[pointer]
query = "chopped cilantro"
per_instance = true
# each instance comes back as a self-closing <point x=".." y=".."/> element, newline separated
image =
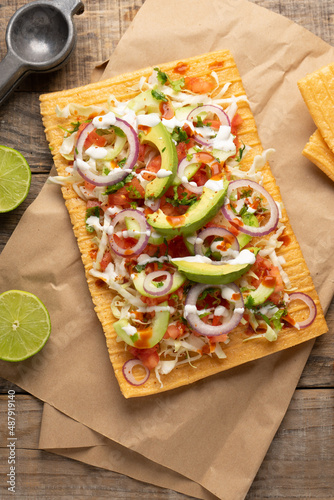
<point x="181" y="199"/>
<point x="245" y="193"/>
<point x="133" y="191"/>
<point x="119" y="185"/>
<point x="75" y="127"/>
<point x="249" y="302"/>
<point x="121" y="163"/>
<point x="140" y="267"/>
<point x="164" y="78"/>
<point x="92" y="211"/>
<point x="179" y="135"/>
<point x="240" y="153"/>
<point x="159" y="96"/>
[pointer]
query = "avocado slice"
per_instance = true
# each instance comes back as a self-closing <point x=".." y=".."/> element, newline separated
<point x="159" y="137"/>
<point x="259" y="296"/>
<point x="149" y="337"/>
<point x="201" y="270"/>
<point x="198" y="214"/>
<point x="138" y="281"/>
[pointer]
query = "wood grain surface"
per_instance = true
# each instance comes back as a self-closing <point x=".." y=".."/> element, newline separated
<point x="300" y="461"/>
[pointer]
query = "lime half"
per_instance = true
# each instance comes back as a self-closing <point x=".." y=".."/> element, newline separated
<point x="24" y="325"/>
<point x="15" y="178"/>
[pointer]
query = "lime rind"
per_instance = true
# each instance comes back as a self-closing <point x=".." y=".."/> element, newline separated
<point x="25" y="325"/>
<point x="15" y="179"/>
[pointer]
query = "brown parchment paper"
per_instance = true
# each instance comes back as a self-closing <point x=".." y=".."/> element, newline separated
<point x="180" y="431"/>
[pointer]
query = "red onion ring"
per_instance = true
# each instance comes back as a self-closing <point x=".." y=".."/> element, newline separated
<point x="128" y="374"/>
<point x="197" y="324"/>
<point x="217" y="232"/>
<point x="143" y="228"/>
<point x="117" y="175"/>
<point x="196" y="158"/>
<point x="311" y="305"/>
<point x="251" y="230"/>
<point x="150" y="288"/>
<point x="208" y="108"/>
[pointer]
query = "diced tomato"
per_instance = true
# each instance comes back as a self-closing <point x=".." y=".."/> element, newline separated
<point x="199" y="85"/>
<point x="125" y="243"/>
<point x="177" y="247"/>
<point x="183" y="147"/>
<point x="153" y="301"/>
<point x="135" y="189"/>
<point x="235" y="123"/>
<point x="89" y="186"/>
<point x="200" y="177"/>
<point x="106" y="259"/>
<point x="142" y="151"/>
<point x="215" y="124"/>
<point x="153" y="166"/>
<point x="119" y="198"/>
<point x="175" y="331"/>
<point x="149" y="357"/>
<point x="93" y="203"/>
<point x="96" y="139"/>
<point x="218" y="338"/>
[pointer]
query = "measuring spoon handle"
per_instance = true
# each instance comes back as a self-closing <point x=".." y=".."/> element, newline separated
<point x="11" y="72"/>
<point x="70" y="7"/>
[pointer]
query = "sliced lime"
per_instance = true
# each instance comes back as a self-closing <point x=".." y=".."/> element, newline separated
<point x="15" y="178"/>
<point x="24" y="325"/>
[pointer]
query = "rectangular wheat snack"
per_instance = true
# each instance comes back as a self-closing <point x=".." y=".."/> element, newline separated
<point x="317" y="89"/>
<point x="317" y="151"/>
<point x="174" y="252"/>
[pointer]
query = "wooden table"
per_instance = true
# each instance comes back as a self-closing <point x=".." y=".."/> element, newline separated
<point x="300" y="461"/>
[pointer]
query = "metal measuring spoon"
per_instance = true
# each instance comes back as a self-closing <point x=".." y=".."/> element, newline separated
<point x="40" y="38"/>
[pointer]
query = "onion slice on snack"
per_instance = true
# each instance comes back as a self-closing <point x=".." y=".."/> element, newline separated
<point x="144" y="233"/>
<point x="128" y="372"/>
<point x="208" y="108"/>
<point x="165" y="280"/>
<point x="229" y="292"/>
<point x="217" y="232"/>
<point x="269" y="226"/>
<point x="311" y="305"/>
<point x="116" y="175"/>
